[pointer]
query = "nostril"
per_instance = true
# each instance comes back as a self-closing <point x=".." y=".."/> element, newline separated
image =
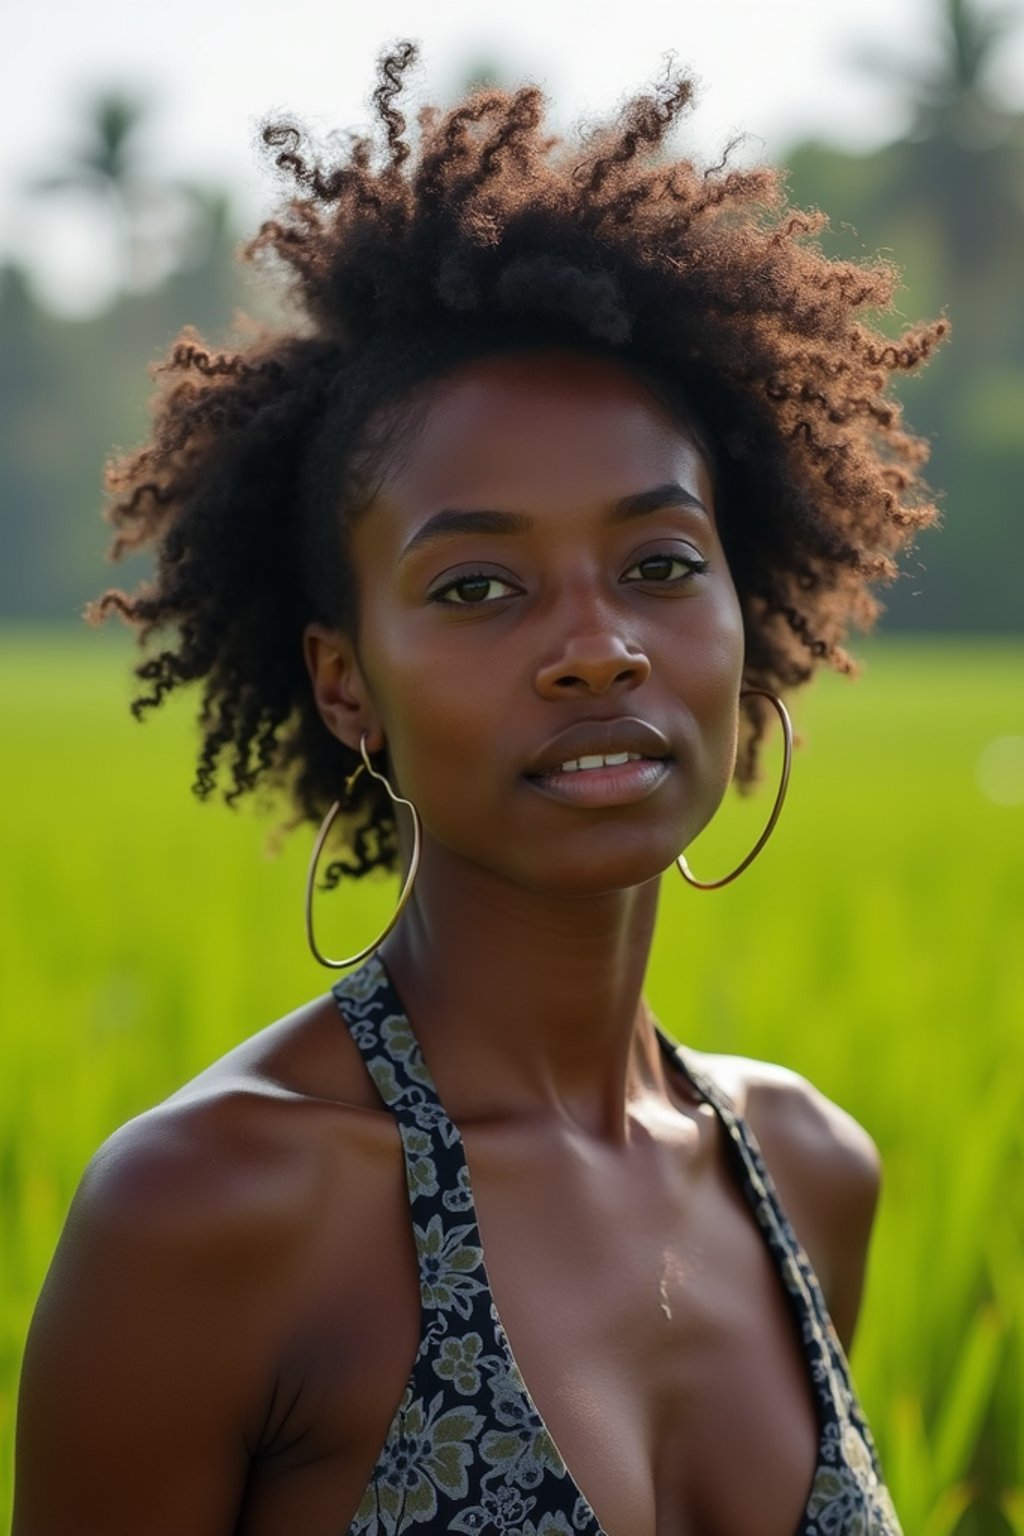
<point x="594" y="666"/>
<point x="572" y="680"/>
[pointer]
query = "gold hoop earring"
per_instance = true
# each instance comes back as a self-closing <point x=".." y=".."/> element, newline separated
<point x="321" y="838"/>
<point x="787" y="759"/>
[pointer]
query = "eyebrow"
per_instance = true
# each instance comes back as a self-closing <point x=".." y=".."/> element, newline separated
<point x="453" y="521"/>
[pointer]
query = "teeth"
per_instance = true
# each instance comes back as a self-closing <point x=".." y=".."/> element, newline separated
<point x="613" y="760"/>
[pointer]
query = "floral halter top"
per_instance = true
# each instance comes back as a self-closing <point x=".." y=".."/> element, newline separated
<point x="467" y="1450"/>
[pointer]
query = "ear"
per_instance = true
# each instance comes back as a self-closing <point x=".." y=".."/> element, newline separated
<point x="340" y="689"/>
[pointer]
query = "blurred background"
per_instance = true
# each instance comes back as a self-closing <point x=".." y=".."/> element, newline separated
<point x="875" y="947"/>
<point x="132" y="175"/>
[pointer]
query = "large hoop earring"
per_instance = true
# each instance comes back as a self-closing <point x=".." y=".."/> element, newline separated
<point x="321" y="838"/>
<point x="787" y="760"/>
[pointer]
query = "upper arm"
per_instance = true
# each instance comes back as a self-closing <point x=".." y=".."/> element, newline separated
<point x="144" y="1373"/>
<point x="828" y="1174"/>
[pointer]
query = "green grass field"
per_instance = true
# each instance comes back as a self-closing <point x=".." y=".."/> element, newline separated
<point x="875" y="946"/>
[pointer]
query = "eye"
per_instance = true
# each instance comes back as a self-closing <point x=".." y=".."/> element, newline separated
<point x="666" y="568"/>
<point x="473" y="590"/>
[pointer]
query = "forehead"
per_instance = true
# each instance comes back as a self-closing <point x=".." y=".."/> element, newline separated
<point x="520" y="429"/>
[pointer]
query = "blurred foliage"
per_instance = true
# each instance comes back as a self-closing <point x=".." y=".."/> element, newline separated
<point x="141" y="935"/>
<point x="107" y="166"/>
<point x="947" y="203"/>
<point x="71" y="391"/>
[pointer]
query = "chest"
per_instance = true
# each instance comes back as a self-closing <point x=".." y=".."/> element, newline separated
<point x="648" y="1323"/>
<point x="652" y="1329"/>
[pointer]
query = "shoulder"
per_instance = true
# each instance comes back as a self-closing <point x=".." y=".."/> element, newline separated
<point x="824" y="1164"/>
<point x="216" y="1246"/>
<point x="796" y="1124"/>
<point x="240" y="1153"/>
<point x="204" y="1170"/>
<point x="187" y="1257"/>
<point x="213" y="1201"/>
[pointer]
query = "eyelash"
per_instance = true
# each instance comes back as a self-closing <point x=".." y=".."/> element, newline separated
<point x="440" y="595"/>
<point x="694" y="567"/>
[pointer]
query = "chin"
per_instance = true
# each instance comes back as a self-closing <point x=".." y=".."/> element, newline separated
<point x="602" y="874"/>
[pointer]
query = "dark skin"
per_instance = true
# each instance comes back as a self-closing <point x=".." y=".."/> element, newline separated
<point x="232" y="1314"/>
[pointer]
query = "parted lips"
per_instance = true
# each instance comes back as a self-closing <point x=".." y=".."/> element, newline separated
<point x="623" y="738"/>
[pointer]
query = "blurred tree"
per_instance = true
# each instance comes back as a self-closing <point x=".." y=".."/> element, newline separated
<point x="948" y="201"/>
<point x="953" y="95"/>
<point x="152" y="220"/>
<point x="71" y="389"/>
<point x="104" y="167"/>
<point x="960" y="170"/>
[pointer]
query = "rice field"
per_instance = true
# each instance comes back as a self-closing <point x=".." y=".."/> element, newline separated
<point x="876" y="946"/>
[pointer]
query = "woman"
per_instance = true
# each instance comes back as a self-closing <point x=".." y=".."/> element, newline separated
<point x="498" y="560"/>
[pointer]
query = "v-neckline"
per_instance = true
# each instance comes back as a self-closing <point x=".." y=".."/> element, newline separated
<point x="674" y="1051"/>
<point x="745" y="1158"/>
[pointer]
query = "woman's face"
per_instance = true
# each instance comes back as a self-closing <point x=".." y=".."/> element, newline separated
<point x="549" y="643"/>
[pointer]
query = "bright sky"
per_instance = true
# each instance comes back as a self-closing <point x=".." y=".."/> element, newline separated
<point x="777" y="69"/>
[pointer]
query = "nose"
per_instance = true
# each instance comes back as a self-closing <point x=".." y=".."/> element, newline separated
<point x="595" y="662"/>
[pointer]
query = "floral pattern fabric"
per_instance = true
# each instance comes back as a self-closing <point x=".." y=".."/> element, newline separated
<point x="467" y="1450"/>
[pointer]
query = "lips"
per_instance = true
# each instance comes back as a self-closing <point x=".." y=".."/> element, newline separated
<point x="598" y="739"/>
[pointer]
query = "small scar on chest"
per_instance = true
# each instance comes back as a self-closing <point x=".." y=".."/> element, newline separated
<point x="663" y="1293"/>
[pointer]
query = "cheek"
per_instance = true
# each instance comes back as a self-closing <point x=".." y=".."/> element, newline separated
<point x="711" y="685"/>
<point x="436" y="711"/>
<point x="712" y="643"/>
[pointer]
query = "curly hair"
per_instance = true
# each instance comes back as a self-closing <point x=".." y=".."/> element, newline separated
<point x="478" y="234"/>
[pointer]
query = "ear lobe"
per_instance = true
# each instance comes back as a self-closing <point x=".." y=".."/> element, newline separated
<point x="339" y="687"/>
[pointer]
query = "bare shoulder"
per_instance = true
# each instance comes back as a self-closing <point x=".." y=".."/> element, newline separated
<point x="795" y="1120"/>
<point x="225" y="1185"/>
<point x="205" y="1206"/>
<point x="239" y="1151"/>
<point x="191" y="1249"/>
<point x="207" y="1168"/>
<point x="824" y="1164"/>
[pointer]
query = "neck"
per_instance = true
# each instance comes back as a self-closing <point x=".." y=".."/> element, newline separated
<point x="527" y="1004"/>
